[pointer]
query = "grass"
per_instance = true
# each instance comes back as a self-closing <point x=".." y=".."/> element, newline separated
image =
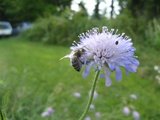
<point x="32" y="78"/>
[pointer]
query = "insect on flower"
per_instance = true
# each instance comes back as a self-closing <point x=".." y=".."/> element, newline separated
<point x="75" y="58"/>
<point x="76" y="61"/>
<point x="104" y="50"/>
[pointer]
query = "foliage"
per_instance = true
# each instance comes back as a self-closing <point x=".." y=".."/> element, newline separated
<point x="148" y="8"/>
<point x="153" y="33"/>
<point x="61" y="30"/>
<point x="32" y="78"/>
<point x="65" y="29"/>
<point x="29" y="10"/>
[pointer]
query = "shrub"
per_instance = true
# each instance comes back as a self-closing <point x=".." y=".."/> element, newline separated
<point x="64" y="29"/>
<point x="153" y="33"/>
<point x="50" y="30"/>
<point x="60" y="30"/>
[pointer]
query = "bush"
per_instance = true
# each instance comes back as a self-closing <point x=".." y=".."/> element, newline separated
<point x="153" y="33"/>
<point x="50" y="30"/>
<point x="64" y="30"/>
<point x="60" y="30"/>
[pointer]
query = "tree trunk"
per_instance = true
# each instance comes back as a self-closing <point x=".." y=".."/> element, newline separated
<point x="112" y="8"/>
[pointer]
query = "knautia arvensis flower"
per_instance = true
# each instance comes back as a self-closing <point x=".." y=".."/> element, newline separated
<point x="104" y="50"/>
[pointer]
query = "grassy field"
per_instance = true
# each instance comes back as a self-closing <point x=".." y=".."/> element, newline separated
<point x="32" y="78"/>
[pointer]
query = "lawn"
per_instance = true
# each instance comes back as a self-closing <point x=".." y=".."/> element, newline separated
<point x="32" y="78"/>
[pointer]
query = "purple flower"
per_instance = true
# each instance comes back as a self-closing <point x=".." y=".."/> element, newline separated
<point x="126" y="110"/>
<point x="136" y="115"/>
<point x="104" y="50"/>
<point x="48" y="112"/>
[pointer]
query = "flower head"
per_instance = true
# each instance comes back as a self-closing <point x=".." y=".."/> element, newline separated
<point x="47" y="112"/>
<point x="133" y="96"/>
<point x="136" y="115"/>
<point x="104" y="50"/>
<point x="126" y="110"/>
<point x="77" y="94"/>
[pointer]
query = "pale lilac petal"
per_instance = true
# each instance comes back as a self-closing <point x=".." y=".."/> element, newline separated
<point x="87" y="70"/>
<point x="118" y="74"/>
<point x="111" y="66"/>
<point x="131" y="68"/>
<point x="102" y="76"/>
<point x="108" y="81"/>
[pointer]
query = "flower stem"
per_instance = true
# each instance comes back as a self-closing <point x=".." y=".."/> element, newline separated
<point x="91" y="95"/>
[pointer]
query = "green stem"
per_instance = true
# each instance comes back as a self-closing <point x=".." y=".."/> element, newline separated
<point x="2" y="117"/>
<point x="91" y="96"/>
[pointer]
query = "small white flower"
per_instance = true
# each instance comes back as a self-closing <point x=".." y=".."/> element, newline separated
<point x="133" y="96"/>
<point x="158" y="81"/>
<point x="98" y="114"/>
<point x="77" y="94"/>
<point x="157" y="77"/>
<point x="87" y="118"/>
<point x="136" y="115"/>
<point x="48" y="112"/>
<point x="156" y="67"/>
<point x="95" y="94"/>
<point x="126" y="111"/>
<point x="92" y="106"/>
<point x="104" y="50"/>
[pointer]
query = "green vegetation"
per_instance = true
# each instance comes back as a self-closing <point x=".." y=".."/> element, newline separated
<point x="63" y="30"/>
<point x="153" y="34"/>
<point x="32" y="78"/>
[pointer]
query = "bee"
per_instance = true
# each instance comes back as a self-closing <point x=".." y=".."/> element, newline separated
<point x="75" y="60"/>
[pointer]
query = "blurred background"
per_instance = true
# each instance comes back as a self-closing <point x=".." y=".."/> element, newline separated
<point x="35" y="85"/>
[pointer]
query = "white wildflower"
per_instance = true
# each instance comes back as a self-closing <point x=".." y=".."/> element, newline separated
<point x="92" y="106"/>
<point x="156" y="67"/>
<point x="98" y="114"/>
<point x="126" y="110"/>
<point x="87" y="118"/>
<point x="133" y="96"/>
<point x="157" y="77"/>
<point x="95" y="94"/>
<point x="77" y="94"/>
<point x="136" y="115"/>
<point x="48" y="112"/>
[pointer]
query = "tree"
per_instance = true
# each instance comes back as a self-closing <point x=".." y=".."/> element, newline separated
<point x="147" y="8"/>
<point x="62" y="4"/>
<point x="96" y="10"/>
<point x="29" y="10"/>
<point x="112" y="8"/>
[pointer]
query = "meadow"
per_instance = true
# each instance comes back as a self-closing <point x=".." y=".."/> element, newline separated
<point x="32" y="78"/>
